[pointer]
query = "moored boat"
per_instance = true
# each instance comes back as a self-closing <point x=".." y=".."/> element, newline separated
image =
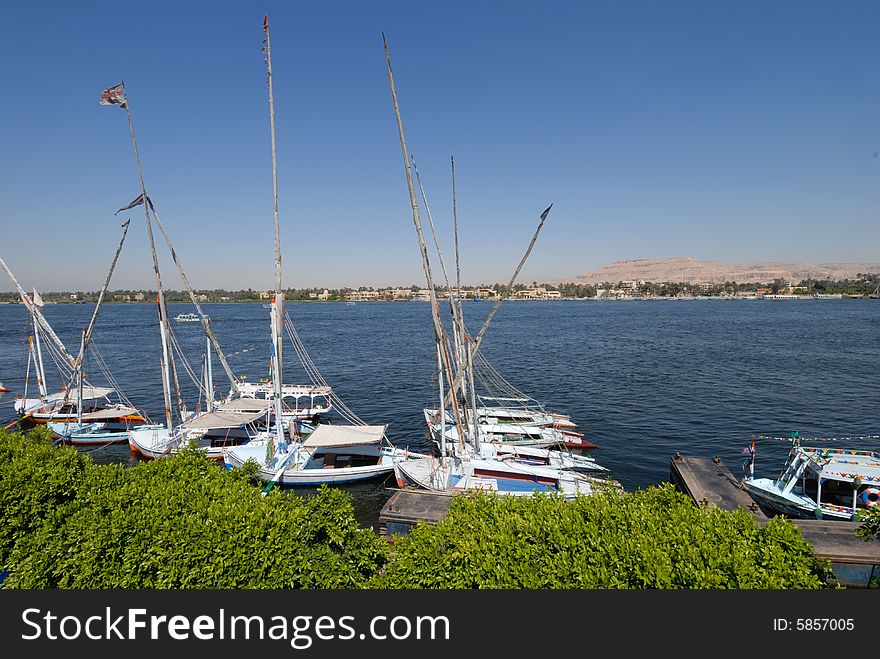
<point x="333" y="454"/>
<point x="824" y="483"/>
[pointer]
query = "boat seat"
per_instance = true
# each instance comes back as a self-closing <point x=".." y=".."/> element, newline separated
<point x="329" y="461"/>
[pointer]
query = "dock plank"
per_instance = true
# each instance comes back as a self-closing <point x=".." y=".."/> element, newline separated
<point x="406" y="508"/>
<point x="709" y="482"/>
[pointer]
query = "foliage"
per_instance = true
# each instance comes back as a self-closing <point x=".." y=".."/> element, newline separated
<point x="35" y="479"/>
<point x="184" y="522"/>
<point x="653" y="538"/>
<point x="179" y="522"/>
<point x="870" y="524"/>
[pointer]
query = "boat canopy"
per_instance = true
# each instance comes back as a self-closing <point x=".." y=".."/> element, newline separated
<point x="847" y="466"/>
<point x="246" y="405"/>
<point x="221" y="419"/>
<point x="332" y="436"/>
<point x="109" y="413"/>
<point x="88" y="393"/>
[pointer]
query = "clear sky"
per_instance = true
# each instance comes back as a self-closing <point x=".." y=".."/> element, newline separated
<point x="736" y="131"/>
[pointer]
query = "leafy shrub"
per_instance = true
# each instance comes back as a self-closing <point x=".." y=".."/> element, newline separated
<point x="35" y="479"/>
<point x="869" y="529"/>
<point x="183" y="522"/>
<point x="653" y="538"/>
<point x="180" y="522"/>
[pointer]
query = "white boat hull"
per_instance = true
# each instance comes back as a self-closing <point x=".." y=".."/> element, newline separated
<point x="311" y="472"/>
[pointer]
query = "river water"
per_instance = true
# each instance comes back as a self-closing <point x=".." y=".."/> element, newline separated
<point x="642" y="378"/>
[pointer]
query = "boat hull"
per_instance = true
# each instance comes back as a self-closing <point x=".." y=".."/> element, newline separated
<point x="308" y="477"/>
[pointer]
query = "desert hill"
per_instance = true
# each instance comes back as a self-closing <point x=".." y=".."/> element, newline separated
<point x="695" y="271"/>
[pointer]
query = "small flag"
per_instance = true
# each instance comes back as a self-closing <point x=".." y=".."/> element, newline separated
<point x="114" y="95"/>
<point x="137" y="201"/>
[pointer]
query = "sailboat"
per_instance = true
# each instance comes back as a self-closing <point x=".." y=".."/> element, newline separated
<point x="89" y="429"/>
<point x="3" y="388"/>
<point x="330" y="453"/>
<point x="469" y="464"/>
<point x="77" y="402"/>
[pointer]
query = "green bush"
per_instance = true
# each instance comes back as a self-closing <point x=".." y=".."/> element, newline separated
<point x="179" y="522"/>
<point x="184" y="522"/>
<point x="653" y="538"/>
<point x="35" y="479"/>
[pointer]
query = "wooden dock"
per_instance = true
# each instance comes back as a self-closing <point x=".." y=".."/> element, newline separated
<point x="709" y="482"/>
<point x="406" y="508"/>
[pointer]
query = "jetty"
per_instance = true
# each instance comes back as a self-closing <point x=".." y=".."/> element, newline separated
<point x="406" y="508"/>
<point x="709" y="482"/>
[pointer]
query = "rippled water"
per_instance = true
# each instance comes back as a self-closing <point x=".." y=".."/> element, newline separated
<point x="643" y="379"/>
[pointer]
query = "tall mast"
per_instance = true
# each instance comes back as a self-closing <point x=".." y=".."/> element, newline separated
<point x="38" y="363"/>
<point x="456" y="335"/>
<point x="278" y="301"/>
<point x="87" y="333"/>
<point x="167" y="359"/>
<point x="209" y="394"/>
<point x="426" y="265"/>
<point x="469" y="364"/>
<point x="79" y="379"/>
<point x="442" y="403"/>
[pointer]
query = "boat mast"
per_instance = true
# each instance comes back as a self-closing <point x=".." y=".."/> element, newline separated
<point x="469" y="365"/>
<point x="38" y="362"/>
<point x="278" y="301"/>
<point x="442" y="414"/>
<point x="79" y="379"/>
<point x="209" y="394"/>
<point x="167" y="359"/>
<point x="87" y="333"/>
<point x="435" y="311"/>
<point x="455" y="324"/>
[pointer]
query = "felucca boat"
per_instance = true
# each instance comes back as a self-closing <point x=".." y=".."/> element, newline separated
<point x="79" y="407"/>
<point x="330" y="453"/>
<point x="468" y="464"/>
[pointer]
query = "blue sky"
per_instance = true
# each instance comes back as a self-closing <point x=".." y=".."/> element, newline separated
<point x="734" y="131"/>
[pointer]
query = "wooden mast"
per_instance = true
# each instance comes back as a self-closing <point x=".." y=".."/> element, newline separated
<point x="167" y="358"/>
<point x="469" y="364"/>
<point x="426" y="265"/>
<point x="455" y="323"/>
<point x="87" y="332"/>
<point x="278" y="301"/>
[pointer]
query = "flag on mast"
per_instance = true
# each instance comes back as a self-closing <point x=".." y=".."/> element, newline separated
<point x="114" y="95"/>
<point x="137" y="201"/>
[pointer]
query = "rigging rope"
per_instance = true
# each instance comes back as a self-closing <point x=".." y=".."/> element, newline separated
<point x="315" y="375"/>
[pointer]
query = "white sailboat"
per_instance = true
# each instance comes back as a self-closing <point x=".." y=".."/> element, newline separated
<point x="75" y="402"/>
<point x="330" y="453"/>
<point x="469" y="464"/>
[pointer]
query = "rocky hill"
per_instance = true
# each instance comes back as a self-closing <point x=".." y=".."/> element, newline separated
<point x="695" y="271"/>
